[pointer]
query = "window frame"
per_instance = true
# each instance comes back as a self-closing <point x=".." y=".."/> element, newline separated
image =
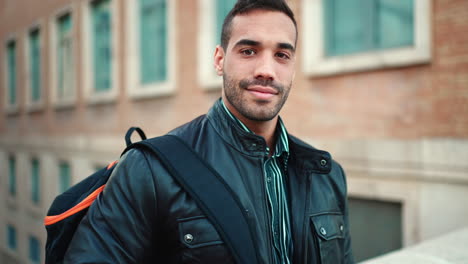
<point x="57" y="102"/>
<point x="207" y="77"/>
<point x="315" y="63"/>
<point x="90" y="95"/>
<point x="38" y="105"/>
<point x="11" y="108"/>
<point x="134" y="87"/>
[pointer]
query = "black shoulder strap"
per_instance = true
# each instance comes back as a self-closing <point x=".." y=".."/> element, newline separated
<point x="128" y="135"/>
<point x="209" y="190"/>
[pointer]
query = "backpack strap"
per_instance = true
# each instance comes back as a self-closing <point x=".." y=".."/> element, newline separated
<point x="128" y="135"/>
<point x="211" y="193"/>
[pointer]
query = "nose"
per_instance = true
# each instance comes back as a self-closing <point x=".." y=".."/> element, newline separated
<point x="265" y="68"/>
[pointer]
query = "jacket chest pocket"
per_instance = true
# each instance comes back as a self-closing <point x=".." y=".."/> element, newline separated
<point x="201" y="242"/>
<point x="329" y="231"/>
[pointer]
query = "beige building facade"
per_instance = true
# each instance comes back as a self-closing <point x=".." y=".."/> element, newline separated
<point x="74" y="75"/>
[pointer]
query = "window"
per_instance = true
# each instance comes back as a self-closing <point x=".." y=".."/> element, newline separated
<point x="222" y="9"/>
<point x="34" y="60"/>
<point x="101" y="43"/>
<point x="153" y="35"/>
<point x="64" y="177"/>
<point x="35" y="181"/>
<point x="372" y="25"/>
<point x="11" y="237"/>
<point x="11" y="73"/>
<point x="34" y="250"/>
<point x="62" y="59"/>
<point x="100" y="49"/>
<point x="150" y="47"/>
<point x="211" y="22"/>
<point x="12" y="175"/>
<point x="343" y="35"/>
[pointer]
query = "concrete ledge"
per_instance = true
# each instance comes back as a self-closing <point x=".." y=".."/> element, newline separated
<point x="448" y="249"/>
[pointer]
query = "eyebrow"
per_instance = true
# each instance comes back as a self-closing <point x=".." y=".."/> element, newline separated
<point x="249" y="42"/>
<point x="286" y="46"/>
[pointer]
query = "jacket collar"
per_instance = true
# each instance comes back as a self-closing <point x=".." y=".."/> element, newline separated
<point x="307" y="157"/>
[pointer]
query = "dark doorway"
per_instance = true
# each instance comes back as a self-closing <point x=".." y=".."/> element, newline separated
<point x="375" y="227"/>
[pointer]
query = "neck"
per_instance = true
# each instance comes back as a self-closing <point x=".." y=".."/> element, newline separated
<point x="265" y="129"/>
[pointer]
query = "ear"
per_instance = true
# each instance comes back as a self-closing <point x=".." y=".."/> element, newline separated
<point x="219" y="60"/>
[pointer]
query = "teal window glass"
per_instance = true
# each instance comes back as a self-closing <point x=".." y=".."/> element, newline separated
<point x="12" y="175"/>
<point x="396" y="23"/>
<point x="153" y="40"/>
<point x="353" y="26"/>
<point x="11" y="61"/>
<point x="101" y="44"/>
<point x="64" y="177"/>
<point x="64" y="56"/>
<point x="34" y="250"/>
<point x="11" y="237"/>
<point x="222" y="9"/>
<point x="35" y="181"/>
<point x="35" y="65"/>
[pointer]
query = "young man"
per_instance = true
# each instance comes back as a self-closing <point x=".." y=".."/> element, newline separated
<point x="295" y="194"/>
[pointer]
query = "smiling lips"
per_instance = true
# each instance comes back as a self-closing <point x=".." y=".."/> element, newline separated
<point x="262" y="92"/>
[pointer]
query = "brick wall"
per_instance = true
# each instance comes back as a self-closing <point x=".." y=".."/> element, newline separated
<point x="428" y="100"/>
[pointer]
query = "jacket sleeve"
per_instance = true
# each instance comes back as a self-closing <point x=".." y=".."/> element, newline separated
<point x="118" y="227"/>
<point x="349" y="258"/>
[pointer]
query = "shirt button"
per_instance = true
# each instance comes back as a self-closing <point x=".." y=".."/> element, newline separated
<point x="323" y="231"/>
<point x="341" y="228"/>
<point x="188" y="238"/>
<point x="323" y="162"/>
<point x="268" y="179"/>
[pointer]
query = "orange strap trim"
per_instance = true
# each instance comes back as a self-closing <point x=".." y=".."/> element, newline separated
<point x="111" y="164"/>
<point x="50" y="220"/>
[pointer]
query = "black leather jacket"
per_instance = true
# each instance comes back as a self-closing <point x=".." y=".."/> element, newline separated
<point x="143" y="215"/>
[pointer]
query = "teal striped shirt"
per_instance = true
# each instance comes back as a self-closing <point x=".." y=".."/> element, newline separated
<point x="275" y="168"/>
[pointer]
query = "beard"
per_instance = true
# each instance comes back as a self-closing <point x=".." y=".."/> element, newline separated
<point x="258" y="110"/>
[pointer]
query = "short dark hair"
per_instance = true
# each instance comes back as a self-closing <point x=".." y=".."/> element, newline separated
<point x="245" y="6"/>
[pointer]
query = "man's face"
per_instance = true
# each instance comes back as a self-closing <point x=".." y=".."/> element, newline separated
<point x="258" y="64"/>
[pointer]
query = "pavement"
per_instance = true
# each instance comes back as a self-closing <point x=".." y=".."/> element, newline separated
<point x="447" y="249"/>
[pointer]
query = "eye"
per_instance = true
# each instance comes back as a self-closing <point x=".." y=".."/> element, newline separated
<point x="283" y="55"/>
<point x="248" y="52"/>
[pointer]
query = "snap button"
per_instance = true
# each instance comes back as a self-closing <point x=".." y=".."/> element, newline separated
<point x="188" y="238"/>
<point x="341" y="228"/>
<point x="323" y="231"/>
<point x="323" y="162"/>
